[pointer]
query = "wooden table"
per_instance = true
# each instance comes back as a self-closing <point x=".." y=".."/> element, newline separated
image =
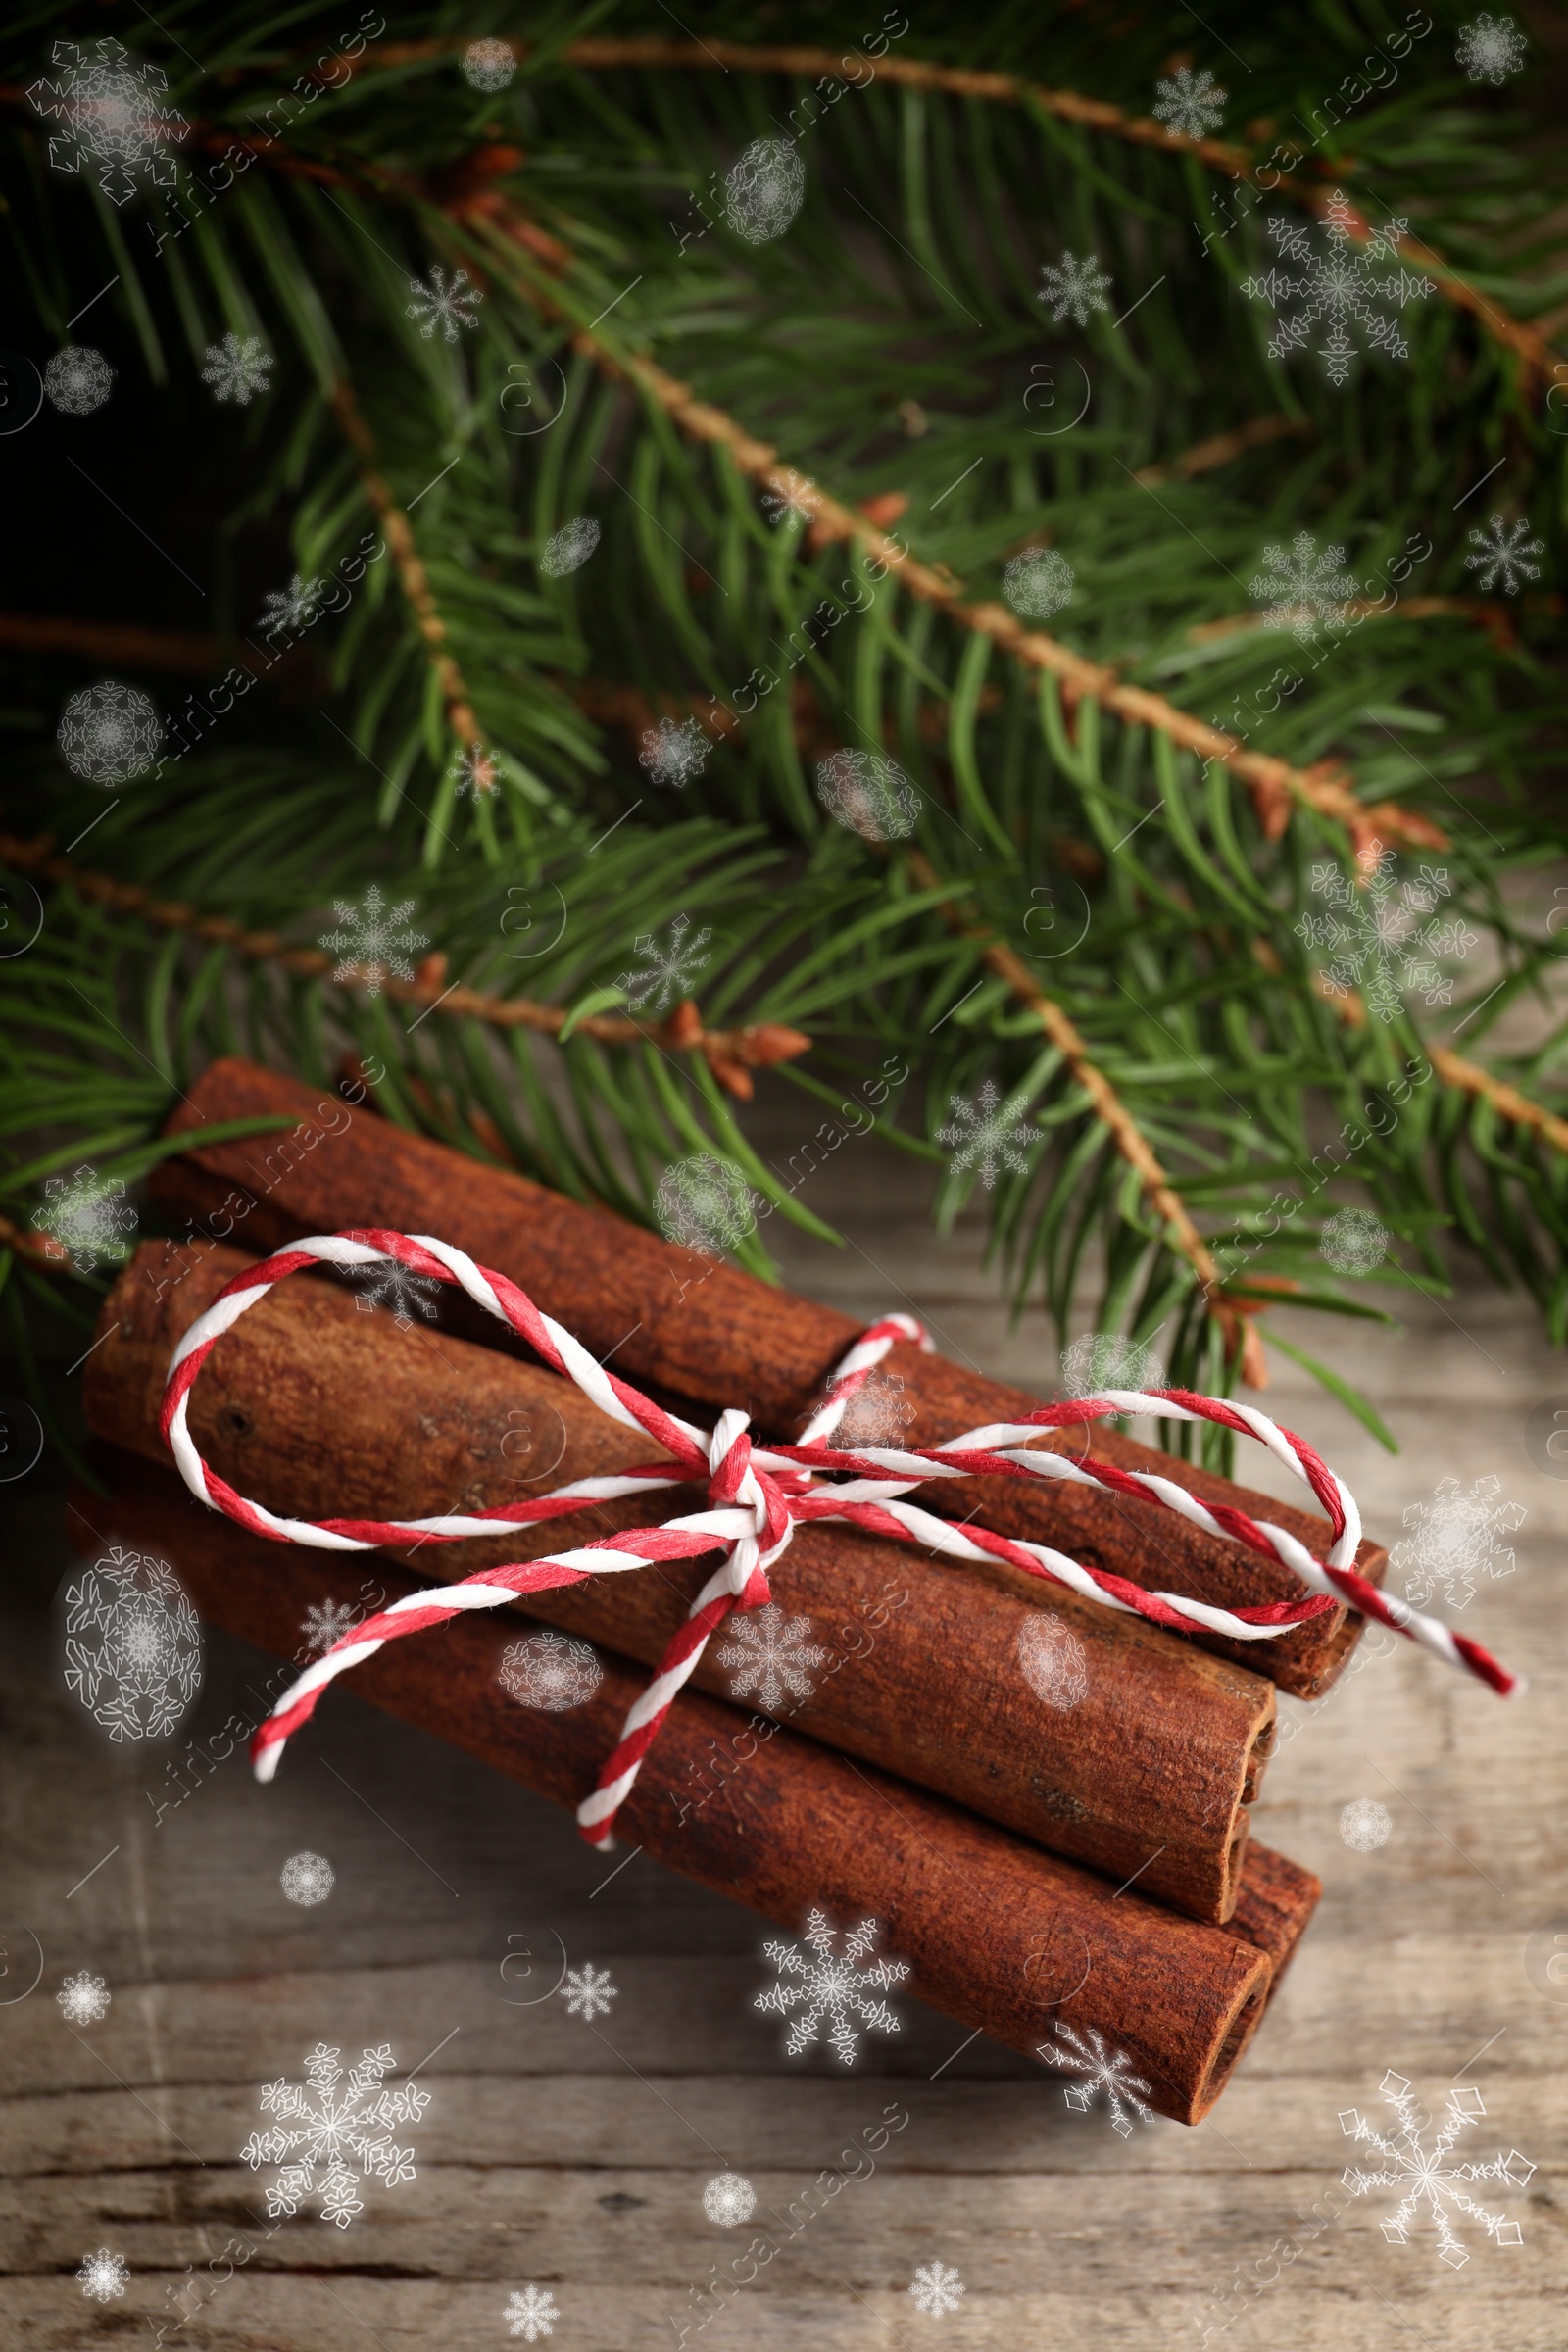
<point x="572" y="2152"/>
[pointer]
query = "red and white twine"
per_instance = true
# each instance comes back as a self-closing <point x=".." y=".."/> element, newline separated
<point x="756" y="1496"/>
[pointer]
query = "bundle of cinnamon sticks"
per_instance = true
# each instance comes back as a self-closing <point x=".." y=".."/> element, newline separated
<point x="1055" y="1831"/>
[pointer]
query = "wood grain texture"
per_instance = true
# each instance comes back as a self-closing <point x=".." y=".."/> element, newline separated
<point x="1130" y="1750"/>
<point x="708" y="1332"/>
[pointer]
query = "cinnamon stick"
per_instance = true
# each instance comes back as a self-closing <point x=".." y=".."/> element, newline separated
<point x="1096" y="1734"/>
<point x="1002" y="1937"/>
<point x="682" y="1325"/>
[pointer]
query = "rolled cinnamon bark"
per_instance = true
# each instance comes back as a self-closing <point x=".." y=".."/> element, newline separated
<point x="1096" y="1734"/>
<point x="679" y="1323"/>
<point x="1002" y="1937"/>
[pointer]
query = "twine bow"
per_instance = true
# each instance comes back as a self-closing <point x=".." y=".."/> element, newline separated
<point x="756" y="1496"/>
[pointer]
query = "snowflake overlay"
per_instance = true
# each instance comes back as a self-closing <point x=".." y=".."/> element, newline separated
<point x="88" y="1217"/>
<point x="1192" y="105"/>
<point x="705" y="1204"/>
<point x="78" y="379"/>
<point x="673" y="754"/>
<point x="474" y="770"/>
<point x="1054" y="1662"/>
<point x="322" y="2125"/>
<point x="1340" y="285"/>
<point x="764" y="190"/>
<point x="133" y="1645"/>
<point x="1072" y="289"/>
<point x="1354" y="1242"/>
<point x="324" y="1622"/>
<point x="779" y="504"/>
<point x="831" y="1986"/>
<point x="83" y="1998"/>
<point x="1365" y="1825"/>
<point x="110" y="113"/>
<point x="1430" y="2180"/>
<point x="1105" y="2070"/>
<point x="770" y="1656"/>
<point x="570" y="548"/>
<point x="588" y="1990"/>
<point x="488" y="65"/>
<point x="729" y="2199"/>
<point x="307" y="1879"/>
<point x="1456" y="1541"/>
<point x="936" y="2290"/>
<point x="370" y="942"/>
<point x="868" y="794"/>
<point x="103" y="2275"/>
<point x="983" y="1138"/>
<point x="294" y="607"/>
<point x="1384" y="937"/>
<point x="110" y="733"/>
<point x="1038" y="582"/>
<point x="877" y="1414"/>
<point x="551" y="1672"/>
<point x="670" y="971"/>
<point x="1492" y="49"/>
<point x="1304" y="589"/>
<point x="393" y="1286"/>
<point x="238" y="368"/>
<point x="447" y="305"/>
<point x="1096" y="1360"/>
<point x="1503" y="553"/>
<point x="531" y="2313"/>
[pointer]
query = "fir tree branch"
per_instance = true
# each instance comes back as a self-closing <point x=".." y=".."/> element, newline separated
<point x="1469" y="1078"/>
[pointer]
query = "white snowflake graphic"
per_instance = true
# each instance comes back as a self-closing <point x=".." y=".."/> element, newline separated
<point x="394" y="1287"/>
<point x="551" y="1672"/>
<point x="1338" y="285"/>
<point x="321" y="2127"/>
<point x="489" y="64"/>
<point x="570" y="548"/>
<point x="1503" y="553"/>
<point x="78" y="379"/>
<point x="89" y="1216"/>
<point x="588" y="1990"/>
<point x="1302" y="589"/>
<point x="1104" y="2069"/>
<point x="673" y="754"/>
<point x="868" y="794"/>
<point x="1097" y="1360"/>
<point x="444" y="303"/>
<point x="110" y="733"/>
<point x="1191" y="104"/>
<point x="1073" y="289"/>
<point x="763" y="189"/>
<point x="780" y="505"/>
<point x="828" y="1984"/>
<point x="770" y="1656"/>
<point x="982" y="1137"/>
<point x="1432" y="2180"/>
<point x="133" y="1645"/>
<point x="293" y="608"/>
<point x="1353" y="1241"/>
<point x="324" y="1622"/>
<point x="1492" y="49"/>
<point x="307" y="1879"/>
<point x="1455" y="1542"/>
<point x="1382" y="934"/>
<point x="936" y="2290"/>
<point x="107" y="105"/>
<point x="877" y="1414"/>
<point x="531" y="2313"/>
<point x="1054" y="1662"/>
<point x="238" y="368"/>
<point x="705" y="1204"/>
<point x="371" y="943"/>
<point x="83" y="1998"/>
<point x="1038" y="582"/>
<point x="474" y="770"/>
<point x="729" y="2199"/>
<point x="103" y="2275"/>
<point x="670" y="971"/>
<point x="1365" y="1825"/>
